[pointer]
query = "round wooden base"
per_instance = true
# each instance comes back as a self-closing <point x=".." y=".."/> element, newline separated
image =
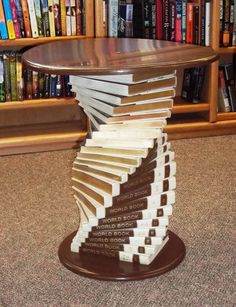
<point x="105" y="268"/>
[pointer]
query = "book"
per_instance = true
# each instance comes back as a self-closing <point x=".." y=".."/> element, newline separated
<point x="78" y="7"/>
<point x="62" y="5"/>
<point x="33" y="20"/>
<point x="15" y="19"/>
<point x="35" y="84"/>
<point x="125" y="256"/>
<point x="3" y="26"/>
<point x="228" y="72"/>
<point x="131" y="109"/>
<point x="45" y="17"/>
<point x="73" y="17"/>
<point x="19" y="78"/>
<point x="20" y="18"/>
<point x="223" y="97"/>
<point x="51" y="18"/>
<point x="113" y="18"/>
<point x="178" y="22"/>
<point x="38" y="15"/>
<point x="68" y="18"/>
<point x="122" y="89"/>
<point x="9" y="19"/>
<point x="57" y="17"/>
<point x="207" y="22"/>
<point x="158" y="94"/>
<point x="6" y="75"/>
<point x="12" y="71"/>
<point x="2" y="89"/>
<point x="26" y="18"/>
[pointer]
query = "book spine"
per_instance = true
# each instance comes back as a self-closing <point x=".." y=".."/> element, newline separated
<point x="28" y="84"/>
<point x="3" y="26"/>
<point x="231" y="22"/>
<point x="184" y="20"/>
<point x="189" y="23"/>
<point x="122" y="19"/>
<point x="33" y="21"/>
<point x="52" y="85"/>
<point x="2" y="89"/>
<point x="59" y="86"/>
<point x="9" y="19"/>
<point x="20" y="18"/>
<point x="78" y="7"/>
<point x="41" y="85"/>
<point x="226" y="21"/>
<point x="166" y="20"/>
<point x="195" y="24"/>
<point x="12" y="60"/>
<point x="46" y="85"/>
<point x="140" y="204"/>
<point x="51" y="18"/>
<point x="45" y="17"/>
<point x="26" y="18"/>
<point x="178" y="22"/>
<point x="113" y="18"/>
<point x="15" y="19"/>
<point x="7" y="80"/>
<point x="225" y="106"/>
<point x="172" y="18"/>
<point x="202" y="23"/>
<point x="234" y="25"/>
<point x="57" y="17"/>
<point x="63" y="17"/>
<point x="159" y="19"/>
<point x="35" y="84"/>
<point x="73" y="17"/>
<point x="38" y="16"/>
<point x="68" y="19"/>
<point x="207" y="23"/>
<point x="152" y="19"/>
<point x="19" y="78"/>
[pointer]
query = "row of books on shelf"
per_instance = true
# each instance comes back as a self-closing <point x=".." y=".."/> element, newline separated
<point x="18" y="83"/>
<point x="227" y="23"/>
<point x="181" y="21"/>
<point x="41" y="18"/>
<point x="226" y="88"/>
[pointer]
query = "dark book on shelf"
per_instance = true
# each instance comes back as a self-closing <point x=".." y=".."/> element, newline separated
<point x="229" y="73"/>
<point x="192" y="84"/>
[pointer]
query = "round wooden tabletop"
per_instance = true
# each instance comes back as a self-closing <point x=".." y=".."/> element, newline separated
<point x="114" y="56"/>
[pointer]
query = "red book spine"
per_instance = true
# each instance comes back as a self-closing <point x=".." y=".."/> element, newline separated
<point x="15" y="19"/>
<point x="159" y="10"/>
<point x="189" y="24"/>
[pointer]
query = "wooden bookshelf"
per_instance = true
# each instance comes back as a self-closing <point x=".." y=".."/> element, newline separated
<point x="199" y="119"/>
<point x="43" y="124"/>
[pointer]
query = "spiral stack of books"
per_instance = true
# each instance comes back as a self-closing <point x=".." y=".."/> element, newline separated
<point x="124" y="174"/>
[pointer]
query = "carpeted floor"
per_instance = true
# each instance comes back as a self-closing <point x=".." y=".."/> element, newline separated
<point x="38" y="211"/>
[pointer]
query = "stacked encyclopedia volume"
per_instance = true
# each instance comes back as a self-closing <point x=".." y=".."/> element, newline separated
<point x="123" y="177"/>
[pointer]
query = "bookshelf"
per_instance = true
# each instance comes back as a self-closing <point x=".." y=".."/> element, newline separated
<point x="48" y="123"/>
<point x="188" y="120"/>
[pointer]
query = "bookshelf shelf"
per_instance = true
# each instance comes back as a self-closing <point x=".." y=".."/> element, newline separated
<point x="41" y="137"/>
<point x="34" y="41"/>
<point x="37" y="103"/>
<point x="226" y="116"/>
<point x="230" y="50"/>
<point x="181" y="106"/>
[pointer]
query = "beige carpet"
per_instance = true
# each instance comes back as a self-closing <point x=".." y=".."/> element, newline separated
<point x="38" y="211"/>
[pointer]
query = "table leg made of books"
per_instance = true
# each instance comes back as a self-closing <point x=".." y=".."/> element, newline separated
<point x="123" y="176"/>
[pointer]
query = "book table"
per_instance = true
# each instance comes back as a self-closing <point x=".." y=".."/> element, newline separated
<point x="123" y="176"/>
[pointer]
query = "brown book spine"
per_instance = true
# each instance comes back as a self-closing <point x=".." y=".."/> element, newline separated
<point x="138" y="215"/>
<point x="78" y="6"/>
<point x="103" y="246"/>
<point x="140" y="204"/>
<point x="122" y="225"/>
<point x="26" y="18"/>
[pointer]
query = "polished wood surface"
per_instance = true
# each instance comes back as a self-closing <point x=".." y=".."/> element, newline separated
<point x="105" y="268"/>
<point x="114" y="56"/>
